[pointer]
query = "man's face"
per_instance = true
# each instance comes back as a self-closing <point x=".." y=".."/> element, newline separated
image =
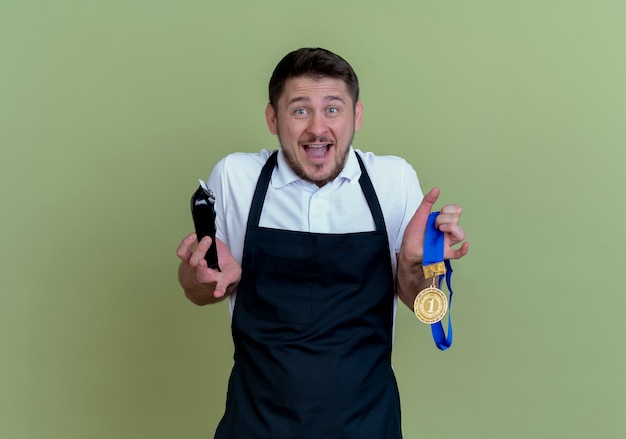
<point x="315" y="120"/>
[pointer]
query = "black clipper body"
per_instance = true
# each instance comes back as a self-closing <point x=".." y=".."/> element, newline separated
<point x="203" y="213"/>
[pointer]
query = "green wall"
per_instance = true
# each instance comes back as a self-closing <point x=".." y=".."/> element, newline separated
<point x="111" y="110"/>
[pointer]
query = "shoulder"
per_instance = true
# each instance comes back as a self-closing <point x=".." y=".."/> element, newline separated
<point x="240" y="166"/>
<point x="387" y="167"/>
<point x="395" y="181"/>
<point x="247" y="161"/>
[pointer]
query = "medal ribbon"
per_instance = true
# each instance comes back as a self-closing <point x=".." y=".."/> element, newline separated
<point x="433" y="254"/>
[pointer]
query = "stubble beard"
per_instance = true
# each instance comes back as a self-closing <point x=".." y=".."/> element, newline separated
<point x="299" y="170"/>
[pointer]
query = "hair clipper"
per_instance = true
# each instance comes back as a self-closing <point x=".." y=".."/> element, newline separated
<point x="203" y="213"/>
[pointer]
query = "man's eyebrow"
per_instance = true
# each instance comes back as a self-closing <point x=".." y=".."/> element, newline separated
<point x="328" y="98"/>
<point x="333" y="98"/>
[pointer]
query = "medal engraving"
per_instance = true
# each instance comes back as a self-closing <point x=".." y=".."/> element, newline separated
<point x="430" y="305"/>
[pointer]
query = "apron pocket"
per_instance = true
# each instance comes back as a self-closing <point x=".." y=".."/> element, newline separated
<point x="284" y="290"/>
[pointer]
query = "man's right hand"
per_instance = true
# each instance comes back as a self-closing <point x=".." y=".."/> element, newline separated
<point x="203" y="285"/>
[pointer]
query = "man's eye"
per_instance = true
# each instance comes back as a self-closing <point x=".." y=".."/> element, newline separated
<point x="333" y="110"/>
<point x="300" y="112"/>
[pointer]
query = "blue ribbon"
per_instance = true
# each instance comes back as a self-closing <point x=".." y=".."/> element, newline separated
<point x="433" y="253"/>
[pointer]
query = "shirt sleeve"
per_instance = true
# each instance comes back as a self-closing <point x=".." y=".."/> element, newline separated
<point x="412" y="197"/>
<point x="215" y="182"/>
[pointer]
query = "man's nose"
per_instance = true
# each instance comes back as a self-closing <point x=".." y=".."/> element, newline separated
<point x="317" y="125"/>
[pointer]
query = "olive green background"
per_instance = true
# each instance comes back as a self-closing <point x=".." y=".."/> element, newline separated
<point x="111" y="110"/>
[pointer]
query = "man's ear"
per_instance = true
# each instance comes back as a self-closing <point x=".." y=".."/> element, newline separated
<point x="270" y="119"/>
<point x="358" y="115"/>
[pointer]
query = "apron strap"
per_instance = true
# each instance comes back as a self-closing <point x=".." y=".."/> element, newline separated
<point x="370" y="195"/>
<point x="261" y="189"/>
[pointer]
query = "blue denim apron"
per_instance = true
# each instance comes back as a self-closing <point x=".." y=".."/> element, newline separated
<point x="312" y="328"/>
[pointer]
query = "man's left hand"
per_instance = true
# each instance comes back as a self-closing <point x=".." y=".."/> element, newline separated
<point x="412" y="249"/>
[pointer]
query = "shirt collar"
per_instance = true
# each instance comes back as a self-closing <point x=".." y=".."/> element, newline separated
<point x="284" y="175"/>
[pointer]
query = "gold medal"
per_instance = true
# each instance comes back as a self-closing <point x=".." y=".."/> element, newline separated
<point x="431" y="305"/>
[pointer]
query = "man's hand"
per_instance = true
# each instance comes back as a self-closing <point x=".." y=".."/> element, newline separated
<point x="204" y="285"/>
<point x="447" y="222"/>
<point x="410" y="275"/>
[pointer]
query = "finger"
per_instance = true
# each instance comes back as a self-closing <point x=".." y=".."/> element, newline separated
<point x="453" y="209"/>
<point x="200" y="251"/>
<point x="456" y="253"/>
<point x="227" y="280"/>
<point x="184" y="248"/>
<point x="454" y="232"/>
<point x="220" y="289"/>
<point x="449" y="213"/>
<point x="203" y="273"/>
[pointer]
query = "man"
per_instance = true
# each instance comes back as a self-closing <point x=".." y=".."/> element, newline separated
<point x="315" y="242"/>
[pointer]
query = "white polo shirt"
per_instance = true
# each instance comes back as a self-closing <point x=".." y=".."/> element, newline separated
<point x="294" y="204"/>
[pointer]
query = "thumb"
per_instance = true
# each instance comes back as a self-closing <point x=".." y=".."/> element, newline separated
<point x="417" y="225"/>
<point x="428" y="201"/>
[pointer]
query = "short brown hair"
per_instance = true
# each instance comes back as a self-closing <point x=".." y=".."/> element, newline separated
<point x="315" y="63"/>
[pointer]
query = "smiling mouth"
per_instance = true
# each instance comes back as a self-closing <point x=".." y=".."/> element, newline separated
<point x="317" y="151"/>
